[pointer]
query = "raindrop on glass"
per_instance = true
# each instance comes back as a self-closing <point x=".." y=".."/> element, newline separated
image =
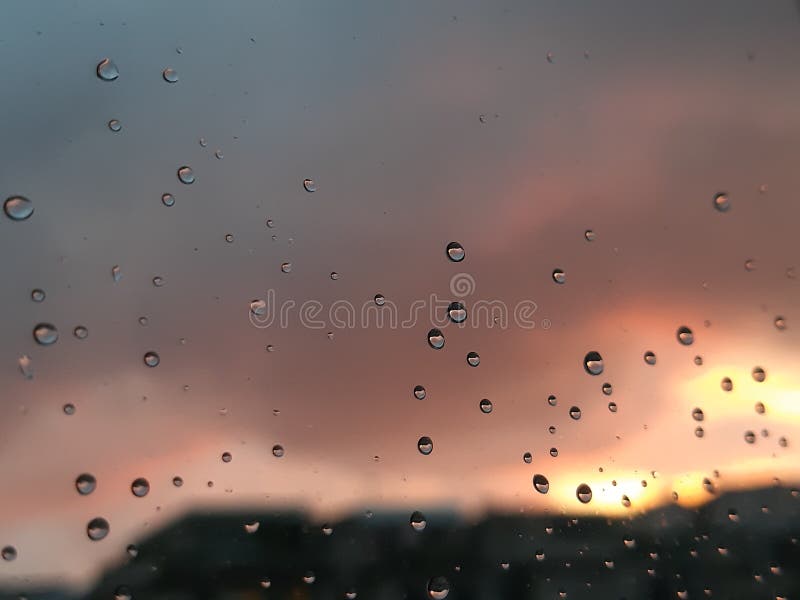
<point x="177" y="481"/>
<point x="80" y="332"/>
<point x="186" y="175"/>
<point x="170" y="75"/>
<point x="697" y="414"/>
<point x="45" y="334"/>
<point x="419" y="392"/>
<point x="750" y="437"/>
<point x="457" y="312"/>
<point x="380" y="300"/>
<point x="107" y="70"/>
<point x="8" y="553"/>
<point x="18" y="208"/>
<point x="286" y="267"/>
<point x="485" y="406"/>
<point x="527" y="458"/>
<point x="455" y="252"/>
<point x="584" y="493"/>
<point x="559" y="276"/>
<point x="140" y="487"/>
<point x="685" y="336"/>
<point x="593" y="363"/>
<point x="226" y="457"/>
<point x="575" y="413"/>
<point x="425" y="445"/>
<point x="114" y="125"/>
<point x="721" y="202"/>
<point x="473" y="359"/>
<point x="258" y="307"/>
<point x="97" y="529"/>
<point x="649" y="358"/>
<point x="168" y="199"/>
<point x="540" y="483"/>
<point x="552" y="400"/>
<point x="417" y="521"/>
<point x="726" y="384"/>
<point x="277" y="451"/>
<point x="436" y="339"/>
<point x="607" y="389"/>
<point x="37" y="295"/>
<point x="85" y="483"/>
<point x="438" y="588"/>
<point x="309" y="185"/>
<point x="759" y="374"/>
<point x="68" y="408"/>
<point x="589" y="235"/>
<point x="151" y="359"/>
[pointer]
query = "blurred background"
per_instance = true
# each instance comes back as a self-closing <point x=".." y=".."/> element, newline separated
<point x="232" y="234"/>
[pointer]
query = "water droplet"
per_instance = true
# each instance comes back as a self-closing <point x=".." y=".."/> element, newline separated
<point x="80" y="332"/>
<point x="552" y="400"/>
<point x="436" y="339"/>
<point x="116" y="273"/>
<point x="554" y="452"/>
<point x="419" y="392"/>
<point x="697" y="414"/>
<point x="286" y="267"/>
<point x="649" y="358"/>
<point x="170" y="75"/>
<point x="418" y="521"/>
<point x="721" y="202"/>
<point x="107" y="70"/>
<point x="473" y="359"/>
<point x="309" y="577"/>
<point x="749" y="437"/>
<point x="252" y="527"/>
<point x="258" y="307"/>
<point x="550" y="58"/>
<point x="140" y="487"/>
<point x="612" y="406"/>
<point x="270" y="348"/>
<point x="749" y="265"/>
<point x="277" y="451"/>
<point x="626" y="502"/>
<point x="783" y="442"/>
<point x="265" y="583"/>
<point x="425" y="445"/>
<point x="219" y="155"/>
<point x="132" y="550"/>
<point x="760" y="408"/>
<point x="114" y="125"/>
<point x="540" y="483"/>
<point x="698" y="360"/>
<point x="552" y="429"/>
<point x="18" y="208"/>
<point x="527" y="458"/>
<point x="593" y="363"/>
<point x="123" y="592"/>
<point x="380" y="300"/>
<point x="186" y="175"/>
<point x="85" y="483"/>
<point x="350" y="594"/>
<point x="457" y="312"/>
<point x="168" y="199"/>
<point x="226" y="457"/>
<point x="726" y="384"/>
<point x="25" y="366"/>
<point x="708" y="486"/>
<point x="309" y="185"/>
<point x="151" y="359"/>
<point x="97" y="529"/>
<point x="539" y="555"/>
<point x="699" y="432"/>
<point x="68" y="408"/>
<point x="607" y="389"/>
<point x="575" y="413"/>
<point x="177" y="481"/>
<point x="780" y="323"/>
<point x="229" y="238"/>
<point x="485" y="406"/>
<point x="685" y="336"/>
<point x="759" y="374"/>
<point x="143" y="321"/>
<point x="438" y="588"/>
<point x="584" y="493"/>
<point x="559" y="276"/>
<point x="45" y="334"/>
<point x="9" y="553"/>
<point x="589" y="235"/>
<point x="37" y="295"/>
<point x="455" y="252"/>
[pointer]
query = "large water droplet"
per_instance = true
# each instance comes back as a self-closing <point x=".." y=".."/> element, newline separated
<point x="554" y="452"/>
<point x="759" y="374"/>
<point x="226" y="457"/>
<point x="418" y="521"/>
<point x="18" y="208"/>
<point x="438" y="588"/>
<point x="85" y="483"/>
<point x="593" y="363"/>
<point x="425" y="445"/>
<point x="584" y="493"/>
<point x="457" y="312"/>
<point x="685" y="336"/>
<point x="45" y="334"/>
<point x="419" y="392"/>
<point x="97" y="529"/>
<point x="140" y="487"/>
<point x="168" y="199"/>
<point x="170" y="75"/>
<point x="186" y="175"/>
<point x="721" y="202"/>
<point x="552" y="400"/>
<point x="258" y="307"/>
<point x="612" y="406"/>
<point x="107" y="70"/>
<point x="650" y="358"/>
<point x="485" y="406"/>
<point x="436" y="339"/>
<point x="151" y="359"/>
<point x="455" y="252"/>
<point x="540" y="483"/>
<point x="575" y="413"/>
<point x="559" y="276"/>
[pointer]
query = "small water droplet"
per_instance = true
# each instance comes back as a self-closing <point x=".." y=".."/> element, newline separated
<point x="708" y="486"/>
<point x="170" y="75"/>
<point x="309" y="185"/>
<point x="265" y="583"/>
<point x="37" y="295"/>
<point x="685" y="336"/>
<point x="780" y="323"/>
<point x="699" y="431"/>
<point x="473" y="359"/>
<point x="229" y="238"/>
<point x="607" y="389"/>
<point x="151" y="359"/>
<point x="612" y="406"/>
<point x="140" y="487"/>
<point x="593" y="363"/>
<point x="286" y="267"/>
<point x="749" y="437"/>
<point x="26" y="366"/>
<point x="226" y="457"/>
<point x="626" y="502"/>
<point x="123" y="592"/>
<point x="107" y="70"/>
<point x="309" y="577"/>
<point x="527" y="458"/>
<point x="18" y="208"/>
<point x="177" y="481"/>
<point x="759" y="374"/>
<point x="457" y="312"/>
<point x="485" y="406"/>
<point x="186" y="175"/>
<point x="45" y="334"/>
<point x="550" y="58"/>
<point x="436" y="339"/>
<point x="697" y="414"/>
<point x="438" y="588"/>
<point x="132" y="550"/>
<point x="114" y="125"/>
<point x="202" y="141"/>
<point x="721" y="202"/>
<point x="168" y="199"/>
<point x="97" y="529"/>
<point x="9" y="553"/>
<point x="334" y="275"/>
<point x="425" y="445"/>
<point x="252" y="527"/>
<point x="749" y="265"/>
<point x="277" y="451"/>
<point x="80" y="332"/>
<point x="85" y="483"/>
<point x="554" y="452"/>
<point x="380" y="300"/>
<point x="219" y="155"/>
<point x="541" y="484"/>
<point x="455" y="252"/>
<point x="650" y="358"/>
<point x="698" y="360"/>
<point x="258" y="307"/>
<point x="559" y="276"/>
<point x="68" y="408"/>
<point x="590" y="235"/>
<point x="575" y="413"/>
<point x="726" y="384"/>
<point x="418" y="521"/>
<point x="116" y="273"/>
<point x="419" y="392"/>
<point x="760" y="408"/>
